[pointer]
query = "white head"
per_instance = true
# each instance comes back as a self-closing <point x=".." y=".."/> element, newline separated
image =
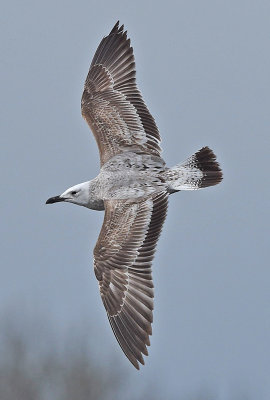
<point x="83" y="194"/>
<point x="78" y="194"/>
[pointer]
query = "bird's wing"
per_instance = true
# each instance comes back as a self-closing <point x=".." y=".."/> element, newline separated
<point x="111" y="103"/>
<point x="122" y="260"/>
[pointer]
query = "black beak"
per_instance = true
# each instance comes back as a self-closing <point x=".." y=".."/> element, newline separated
<point x="55" y="199"/>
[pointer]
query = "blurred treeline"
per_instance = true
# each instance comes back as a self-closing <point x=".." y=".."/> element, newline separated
<point x="37" y="364"/>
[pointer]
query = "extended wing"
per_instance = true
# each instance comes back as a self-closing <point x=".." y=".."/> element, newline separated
<point x="111" y="103"/>
<point x="122" y="257"/>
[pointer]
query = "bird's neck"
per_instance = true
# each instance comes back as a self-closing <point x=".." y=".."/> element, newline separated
<point x="94" y="201"/>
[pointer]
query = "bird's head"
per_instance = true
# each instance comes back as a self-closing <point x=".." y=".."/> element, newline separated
<point x="78" y="194"/>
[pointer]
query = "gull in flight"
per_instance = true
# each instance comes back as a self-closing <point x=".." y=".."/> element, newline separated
<point x="132" y="187"/>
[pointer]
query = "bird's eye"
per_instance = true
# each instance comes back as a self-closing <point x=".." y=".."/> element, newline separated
<point x="73" y="192"/>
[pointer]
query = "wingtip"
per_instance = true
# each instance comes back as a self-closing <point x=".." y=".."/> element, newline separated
<point x="116" y="28"/>
<point x="137" y="366"/>
<point x="138" y="363"/>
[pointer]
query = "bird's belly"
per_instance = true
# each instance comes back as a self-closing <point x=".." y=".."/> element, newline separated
<point x="128" y="185"/>
<point x="131" y="175"/>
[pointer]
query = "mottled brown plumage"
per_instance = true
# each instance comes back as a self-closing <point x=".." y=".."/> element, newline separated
<point x="111" y="103"/>
<point x="122" y="259"/>
<point x="132" y="187"/>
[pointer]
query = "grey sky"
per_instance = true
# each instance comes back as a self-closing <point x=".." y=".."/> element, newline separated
<point x="203" y="68"/>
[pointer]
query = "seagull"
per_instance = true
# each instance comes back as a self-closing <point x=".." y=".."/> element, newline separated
<point x="133" y="187"/>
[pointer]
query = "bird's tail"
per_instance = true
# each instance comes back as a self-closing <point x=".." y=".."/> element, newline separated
<point x="198" y="171"/>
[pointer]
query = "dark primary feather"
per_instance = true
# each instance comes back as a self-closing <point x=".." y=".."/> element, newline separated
<point x="122" y="259"/>
<point x="112" y="104"/>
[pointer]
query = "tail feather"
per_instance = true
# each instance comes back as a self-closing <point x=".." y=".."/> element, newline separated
<point x="198" y="171"/>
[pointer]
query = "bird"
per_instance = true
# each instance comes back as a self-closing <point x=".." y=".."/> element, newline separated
<point x="132" y="187"/>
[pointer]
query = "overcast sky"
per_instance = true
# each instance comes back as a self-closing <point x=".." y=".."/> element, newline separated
<point x="203" y="68"/>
